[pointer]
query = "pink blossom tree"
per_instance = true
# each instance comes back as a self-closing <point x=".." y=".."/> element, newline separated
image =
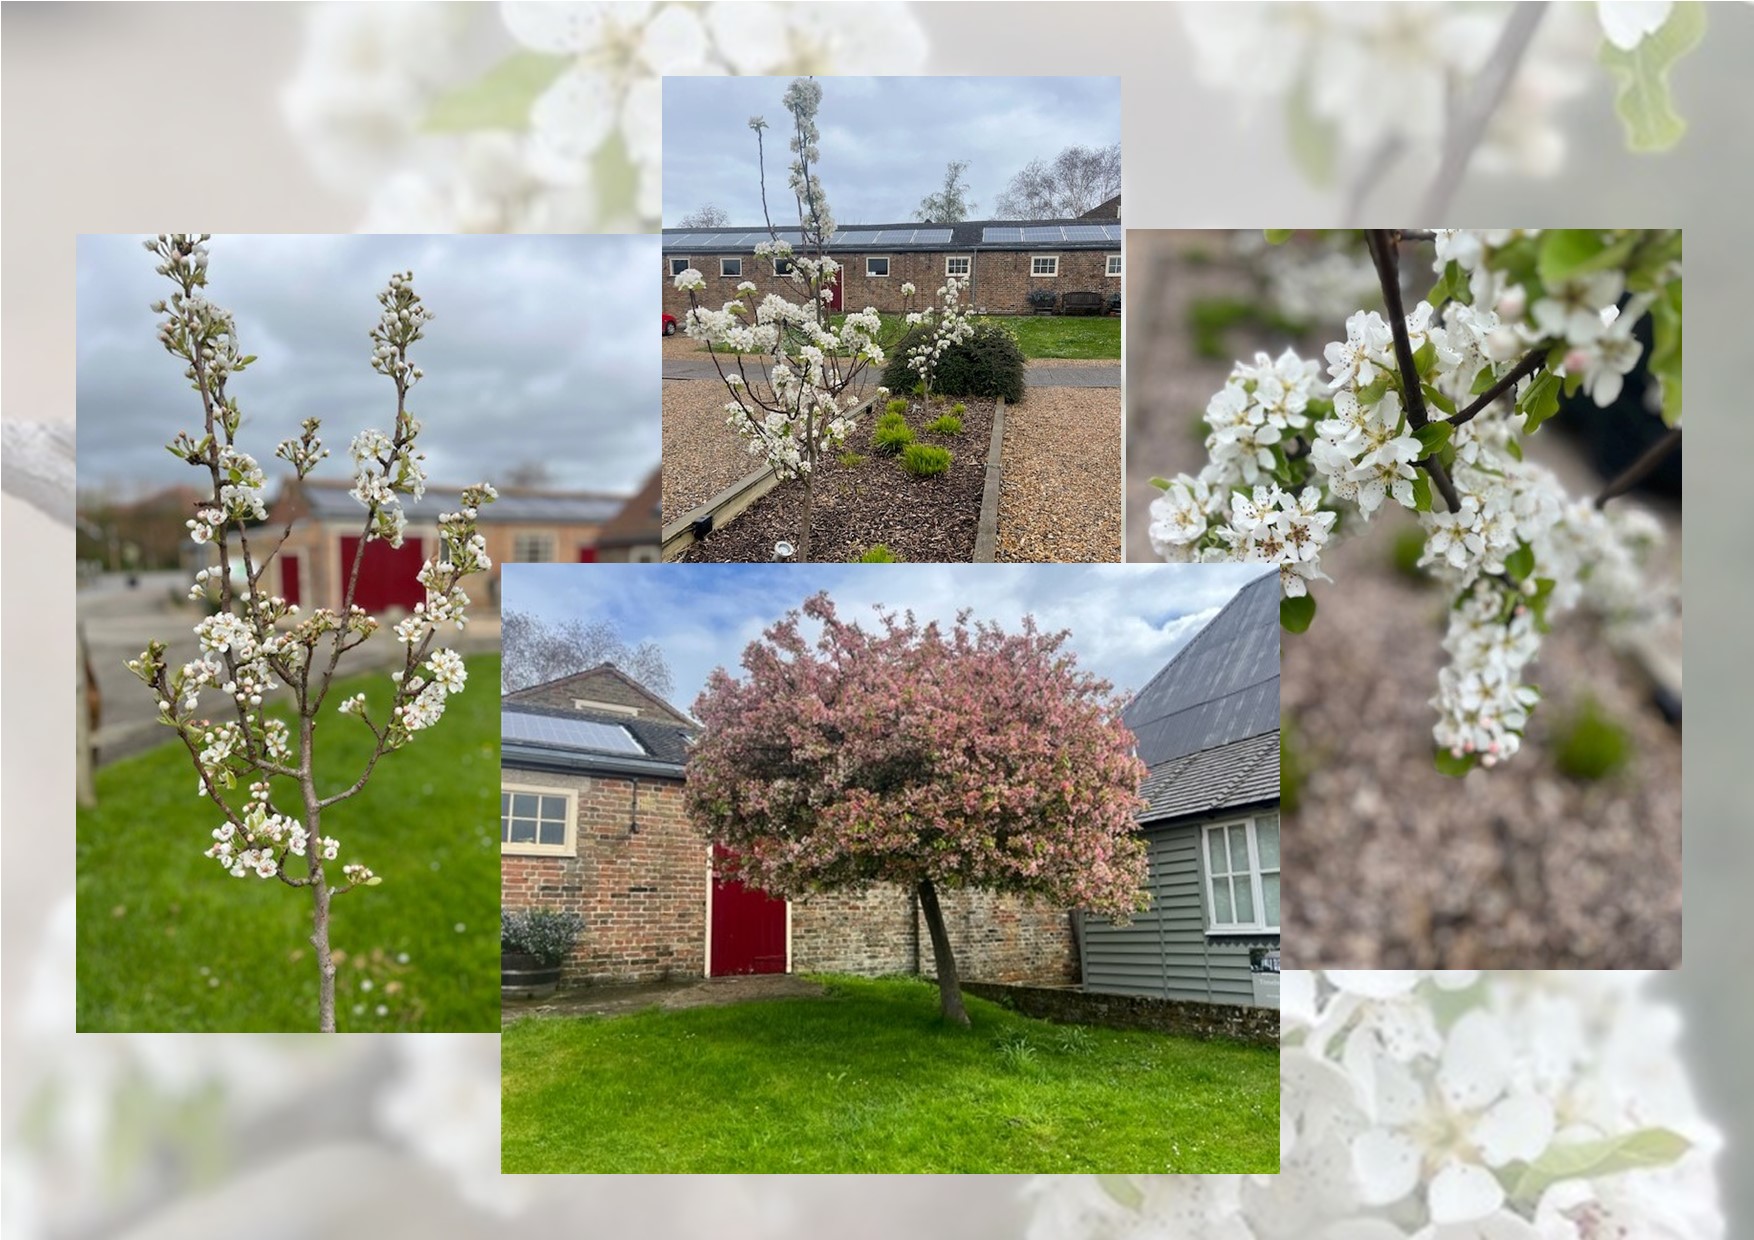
<point x="911" y="755"/>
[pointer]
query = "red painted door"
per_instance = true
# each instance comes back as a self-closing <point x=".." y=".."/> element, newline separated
<point x="289" y="578"/>
<point x="587" y="555"/>
<point x="749" y="929"/>
<point x="834" y="289"/>
<point x="388" y="577"/>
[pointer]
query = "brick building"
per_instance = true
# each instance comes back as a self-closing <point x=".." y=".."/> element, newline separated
<point x="592" y="821"/>
<point x="1003" y="262"/>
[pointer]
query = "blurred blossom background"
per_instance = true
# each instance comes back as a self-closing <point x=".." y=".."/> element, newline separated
<point x="334" y="118"/>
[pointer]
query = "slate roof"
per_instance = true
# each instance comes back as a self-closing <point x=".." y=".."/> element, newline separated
<point x="1223" y="686"/>
<point x="329" y="501"/>
<point x="1244" y="772"/>
<point x="967" y="235"/>
<point x="665" y="744"/>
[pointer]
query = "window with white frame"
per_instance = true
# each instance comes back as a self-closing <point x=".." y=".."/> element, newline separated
<point x="537" y="820"/>
<point x="533" y="548"/>
<point x="877" y="268"/>
<point x="1114" y="265"/>
<point x="731" y="267"/>
<point x="678" y="266"/>
<point x="957" y="265"/>
<point x="1242" y="874"/>
<point x="1044" y="265"/>
<point x="783" y="266"/>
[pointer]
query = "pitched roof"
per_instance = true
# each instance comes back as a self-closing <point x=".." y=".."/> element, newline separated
<point x="329" y="500"/>
<point x="658" y="747"/>
<point x="580" y="683"/>
<point x="1072" y="234"/>
<point x="1222" y="686"/>
<point x="1241" y="772"/>
<point x="638" y="522"/>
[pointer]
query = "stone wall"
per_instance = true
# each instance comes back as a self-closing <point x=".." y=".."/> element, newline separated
<point x="1255" y="1025"/>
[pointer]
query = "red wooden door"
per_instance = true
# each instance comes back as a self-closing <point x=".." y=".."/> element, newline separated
<point x="834" y="302"/>
<point x="388" y="576"/>
<point x="289" y="578"/>
<point x="749" y="929"/>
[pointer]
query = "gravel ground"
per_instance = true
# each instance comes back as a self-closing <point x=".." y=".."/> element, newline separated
<point x="702" y="456"/>
<point x="1060" y="495"/>
<point x="1392" y="865"/>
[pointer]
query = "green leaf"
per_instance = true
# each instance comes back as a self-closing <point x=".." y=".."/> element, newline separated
<point x="1376" y="389"/>
<point x="1520" y="563"/>
<point x="1514" y="446"/>
<point x="1423" y="356"/>
<point x="500" y="98"/>
<point x="1642" y="78"/>
<point x="1541" y="400"/>
<point x="1589" y="1160"/>
<point x="1162" y="484"/>
<point x="1433" y="436"/>
<point x="1448" y="764"/>
<point x="1438" y="400"/>
<point x="1422" y="493"/>
<point x="1665" y="353"/>
<point x="1296" y="613"/>
<point x="1565" y="251"/>
<point x="1483" y="380"/>
<point x="1275" y="236"/>
<point x="1122" y="1189"/>
<point x="1452" y="285"/>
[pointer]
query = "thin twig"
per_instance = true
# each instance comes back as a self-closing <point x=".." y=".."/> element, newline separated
<point x="1384" y="253"/>
<point x="1467" y="124"/>
<point x="1642" y="468"/>
<point x="1531" y="362"/>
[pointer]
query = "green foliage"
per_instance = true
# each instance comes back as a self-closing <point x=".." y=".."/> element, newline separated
<point x="1589" y="1160"/>
<point x="1075" y="1040"/>
<point x="895" y="408"/>
<point x="948" y="424"/>
<point x="1291" y="766"/>
<point x="1520" y="563"/>
<point x="990" y="363"/>
<point x="959" y="409"/>
<point x="851" y="460"/>
<point x="891" y="434"/>
<point x="1588" y="745"/>
<point x="1091" y="337"/>
<point x="924" y="460"/>
<point x="1408" y="546"/>
<point x="1210" y="319"/>
<point x="1017" y="1054"/>
<point x="1665" y="354"/>
<point x="500" y="98"/>
<point x="869" y="1079"/>
<point x="1641" y="77"/>
<point x="878" y="554"/>
<point x="548" y="934"/>
<point x="1448" y="764"/>
<point x="1295" y="614"/>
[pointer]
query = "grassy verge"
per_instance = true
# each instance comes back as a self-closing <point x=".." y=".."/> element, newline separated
<point x="868" y="1079"/>
<point x="1088" y="337"/>
<point x="169" y="942"/>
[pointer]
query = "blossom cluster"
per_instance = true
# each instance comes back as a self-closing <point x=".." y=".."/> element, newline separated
<point x="1461" y="1106"/>
<point x="1517" y="319"/>
<point x="950" y="326"/>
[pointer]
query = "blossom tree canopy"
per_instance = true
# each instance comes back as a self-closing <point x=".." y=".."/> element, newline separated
<point x="963" y="758"/>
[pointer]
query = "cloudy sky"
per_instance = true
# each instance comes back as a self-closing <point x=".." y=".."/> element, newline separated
<point x="541" y="352"/>
<point x="885" y="141"/>
<point x="1126" y="620"/>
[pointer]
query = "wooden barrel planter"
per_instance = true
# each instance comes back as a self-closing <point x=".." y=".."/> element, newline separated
<point x="523" y="976"/>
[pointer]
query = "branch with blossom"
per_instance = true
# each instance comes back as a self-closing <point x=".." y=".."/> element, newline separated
<point x="256" y="643"/>
<point x="1429" y="410"/>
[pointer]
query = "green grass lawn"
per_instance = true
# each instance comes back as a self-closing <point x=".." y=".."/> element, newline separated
<point x="1092" y="337"/>
<point x="868" y="1079"/>
<point x="168" y="941"/>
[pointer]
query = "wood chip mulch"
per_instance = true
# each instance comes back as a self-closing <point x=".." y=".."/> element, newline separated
<point x="920" y="520"/>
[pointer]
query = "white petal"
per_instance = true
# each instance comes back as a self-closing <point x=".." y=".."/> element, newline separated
<point x="573" y="116"/>
<point x="674" y="43"/>
<point x="562" y="27"/>
<point x="1386" y="1165"/>
<point x="1476" y="1062"/>
<point x="1461" y="1193"/>
<point x="1626" y="22"/>
<point x="1297" y="998"/>
<point x="1519" y="1127"/>
<point x="1375" y="983"/>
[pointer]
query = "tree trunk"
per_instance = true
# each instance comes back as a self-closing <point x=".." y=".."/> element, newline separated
<point x="809" y="507"/>
<point x="949" y="986"/>
<point x="320" y="893"/>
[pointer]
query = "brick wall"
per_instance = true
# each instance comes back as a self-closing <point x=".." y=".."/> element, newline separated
<point x="1256" y="1025"/>
<point x="869" y="933"/>
<point x="1000" y="938"/>
<point x="1001" y="279"/>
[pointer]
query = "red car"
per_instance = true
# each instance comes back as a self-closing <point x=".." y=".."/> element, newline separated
<point x="669" y="324"/>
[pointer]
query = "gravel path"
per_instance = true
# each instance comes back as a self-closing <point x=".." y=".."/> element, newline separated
<point x="702" y="456"/>
<point x="1060" y="496"/>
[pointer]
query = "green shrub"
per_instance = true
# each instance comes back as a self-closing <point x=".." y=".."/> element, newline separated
<point x="924" y="459"/>
<point x="892" y="434"/>
<point x="959" y="409"/>
<point x="895" y="408"/>
<point x="878" y="554"/>
<point x="1409" y="546"/>
<point x="851" y="460"/>
<point x="949" y="424"/>
<point x="1588" y="745"/>
<point x="989" y="363"/>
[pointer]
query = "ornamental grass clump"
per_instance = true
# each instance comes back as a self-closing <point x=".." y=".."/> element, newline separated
<point x="891" y="434"/>
<point x="878" y="554"/>
<point x="256" y="644"/>
<point x="948" y="424"/>
<point x="924" y="460"/>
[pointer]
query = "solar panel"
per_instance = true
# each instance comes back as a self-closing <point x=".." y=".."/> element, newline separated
<point x="856" y="237"/>
<point x="1001" y="234"/>
<point x="931" y="236"/>
<point x="1085" y="232"/>
<point x="1111" y="232"/>
<point x="895" y="236"/>
<point x="1043" y="234"/>
<point x="567" y="733"/>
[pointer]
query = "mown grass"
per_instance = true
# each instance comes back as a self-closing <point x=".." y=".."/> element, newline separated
<point x="1091" y="337"/>
<point x="868" y="1079"/>
<point x="169" y="942"/>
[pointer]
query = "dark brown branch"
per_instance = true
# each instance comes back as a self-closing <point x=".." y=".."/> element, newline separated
<point x="1642" y="468"/>
<point x="1531" y="362"/>
<point x="1384" y="253"/>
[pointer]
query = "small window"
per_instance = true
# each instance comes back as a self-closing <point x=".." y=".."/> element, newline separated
<point x="536" y="820"/>
<point x="956" y="265"/>
<point x="783" y="266"/>
<point x="877" y="268"/>
<point x="1242" y="875"/>
<point x="1114" y="265"/>
<point x="678" y="266"/>
<point x="731" y="267"/>
<point x="1044" y="265"/>
<point x="531" y="548"/>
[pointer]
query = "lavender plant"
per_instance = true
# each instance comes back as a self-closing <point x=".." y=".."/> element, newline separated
<point x="257" y="643"/>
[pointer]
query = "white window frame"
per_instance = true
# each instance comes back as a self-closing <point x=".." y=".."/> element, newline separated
<point x="783" y="266"/>
<point x="725" y="272"/>
<point x="887" y="262"/>
<point x="1259" y="925"/>
<point x="1052" y="274"/>
<point x="1113" y="267"/>
<point x="677" y="265"/>
<point x="537" y="849"/>
<point x="967" y="261"/>
<point x="518" y="539"/>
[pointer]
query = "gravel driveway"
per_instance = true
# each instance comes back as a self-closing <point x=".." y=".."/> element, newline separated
<point x="1060" y="493"/>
